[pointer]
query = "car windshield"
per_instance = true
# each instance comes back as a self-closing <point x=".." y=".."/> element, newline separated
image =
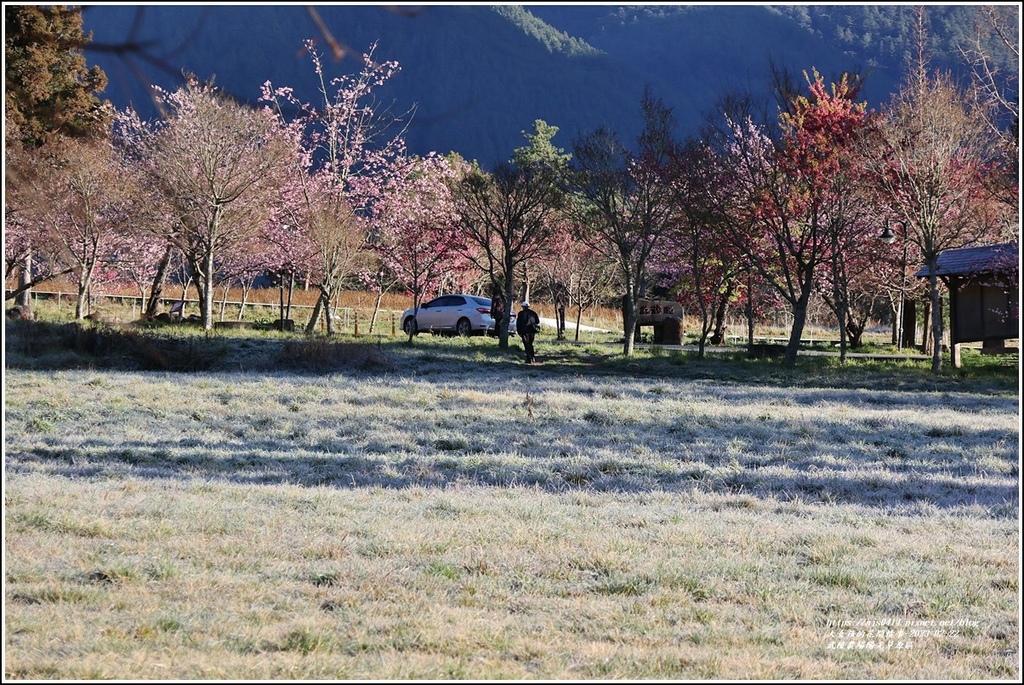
<point x="482" y="301"/>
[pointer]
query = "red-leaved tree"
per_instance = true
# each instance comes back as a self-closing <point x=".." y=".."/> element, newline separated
<point x="820" y="131"/>
<point x="788" y="205"/>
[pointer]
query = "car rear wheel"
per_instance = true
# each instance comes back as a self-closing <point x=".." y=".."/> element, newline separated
<point x="409" y="326"/>
<point x="463" y="327"/>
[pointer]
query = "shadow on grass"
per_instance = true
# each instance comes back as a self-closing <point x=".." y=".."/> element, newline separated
<point x="893" y="483"/>
<point x="895" y="459"/>
<point x="896" y="462"/>
<point x="188" y="349"/>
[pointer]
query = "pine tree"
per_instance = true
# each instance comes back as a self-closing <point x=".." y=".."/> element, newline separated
<point x="48" y="88"/>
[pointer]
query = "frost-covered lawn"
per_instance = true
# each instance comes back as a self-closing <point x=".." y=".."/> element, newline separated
<point x="466" y="517"/>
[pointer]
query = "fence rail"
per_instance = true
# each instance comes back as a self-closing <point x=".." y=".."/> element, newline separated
<point x="59" y="294"/>
<point x="345" y="316"/>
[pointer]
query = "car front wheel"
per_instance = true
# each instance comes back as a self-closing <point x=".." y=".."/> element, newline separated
<point x="409" y="326"/>
<point x="463" y="327"/>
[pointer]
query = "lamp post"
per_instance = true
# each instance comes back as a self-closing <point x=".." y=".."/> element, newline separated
<point x="888" y="237"/>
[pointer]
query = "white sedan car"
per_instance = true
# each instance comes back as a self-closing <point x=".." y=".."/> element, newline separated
<point x="460" y="314"/>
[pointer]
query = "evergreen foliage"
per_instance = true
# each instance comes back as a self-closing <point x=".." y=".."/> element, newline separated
<point x="48" y="89"/>
<point x="552" y="38"/>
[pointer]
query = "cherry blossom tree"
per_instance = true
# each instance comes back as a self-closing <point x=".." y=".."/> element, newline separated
<point x="78" y="200"/>
<point x="788" y="204"/>
<point x="416" y="226"/>
<point x="220" y="166"/>
<point x="286" y="251"/>
<point x="577" y="275"/>
<point x="349" y="142"/>
<point x="148" y="254"/>
<point x="335" y="238"/>
<point x="696" y="260"/>
<point x="882" y="282"/>
<point x="29" y="257"/>
<point x="758" y="300"/>
<point x="49" y="94"/>
<point x="136" y="261"/>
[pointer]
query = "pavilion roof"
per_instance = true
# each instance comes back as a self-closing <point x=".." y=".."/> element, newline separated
<point x="987" y="259"/>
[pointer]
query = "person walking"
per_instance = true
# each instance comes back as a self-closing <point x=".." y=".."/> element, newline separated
<point x="497" y="309"/>
<point x="527" y="325"/>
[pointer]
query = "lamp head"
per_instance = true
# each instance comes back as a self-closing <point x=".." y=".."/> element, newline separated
<point x="888" y="237"/>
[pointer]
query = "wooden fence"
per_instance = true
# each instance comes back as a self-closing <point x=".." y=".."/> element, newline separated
<point x="347" y="319"/>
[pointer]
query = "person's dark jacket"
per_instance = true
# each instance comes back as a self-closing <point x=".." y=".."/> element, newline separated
<point x="527" y="322"/>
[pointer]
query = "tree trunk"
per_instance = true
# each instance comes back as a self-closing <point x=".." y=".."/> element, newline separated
<point x="24" y="298"/>
<point x="84" y="305"/>
<point x="855" y="329"/>
<point x="507" y="319"/>
<point x="841" y="314"/>
<point x="280" y="298"/>
<point x="291" y="292"/>
<point x="315" y="316"/>
<point x="158" y="285"/>
<point x="205" y="285"/>
<point x="720" y="313"/>
<point x="526" y="282"/>
<point x="628" y="320"/>
<point x="246" y="287"/>
<point x="82" y="301"/>
<point x="895" y="307"/>
<point x="560" y="312"/>
<point x="799" y="320"/>
<point x="936" y="300"/>
<point x="750" y="313"/>
<point x="327" y="295"/>
<point x="376" y="309"/>
<point x="224" y="300"/>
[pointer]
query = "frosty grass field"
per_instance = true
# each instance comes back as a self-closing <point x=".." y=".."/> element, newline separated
<point x="445" y="512"/>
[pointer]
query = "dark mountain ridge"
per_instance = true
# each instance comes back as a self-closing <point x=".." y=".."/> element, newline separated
<point x="479" y="75"/>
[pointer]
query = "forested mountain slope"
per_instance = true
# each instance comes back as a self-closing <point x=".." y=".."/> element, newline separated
<point x="479" y="75"/>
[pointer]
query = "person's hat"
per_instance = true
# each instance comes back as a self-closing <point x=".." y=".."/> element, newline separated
<point x="525" y="304"/>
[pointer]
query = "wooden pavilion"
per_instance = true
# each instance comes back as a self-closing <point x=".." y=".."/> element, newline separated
<point x="984" y="295"/>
